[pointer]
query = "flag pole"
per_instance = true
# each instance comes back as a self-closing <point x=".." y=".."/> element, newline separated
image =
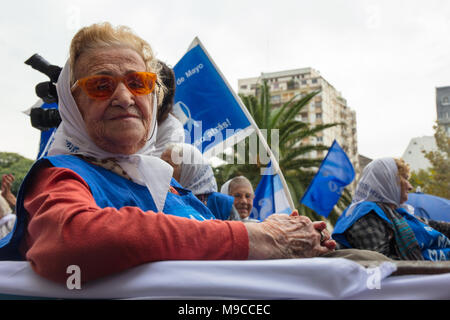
<point x="275" y="164"/>
<point x="276" y="167"/>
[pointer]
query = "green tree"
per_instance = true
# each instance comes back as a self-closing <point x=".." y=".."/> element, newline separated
<point x="420" y="178"/>
<point x="17" y="165"/>
<point x="436" y="179"/>
<point x="298" y="169"/>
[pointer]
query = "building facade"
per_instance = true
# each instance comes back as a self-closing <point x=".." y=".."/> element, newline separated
<point x="328" y="106"/>
<point x="443" y="107"/>
<point x="414" y="153"/>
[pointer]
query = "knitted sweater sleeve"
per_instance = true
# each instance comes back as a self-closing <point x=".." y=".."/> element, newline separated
<point x="66" y="227"/>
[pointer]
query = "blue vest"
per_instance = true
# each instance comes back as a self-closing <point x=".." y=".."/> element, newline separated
<point x="434" y="245"/>
<point x="108" y="190"/>
<point x="220" y="205"/>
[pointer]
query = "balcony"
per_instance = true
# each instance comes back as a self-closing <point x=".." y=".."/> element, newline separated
<point x="292" y="85"/>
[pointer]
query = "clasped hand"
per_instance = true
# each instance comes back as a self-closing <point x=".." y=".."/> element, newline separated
<point x="283" y="236"/>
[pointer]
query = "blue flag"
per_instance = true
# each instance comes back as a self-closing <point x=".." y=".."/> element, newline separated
<point x="335" y="172"/>
<point x="269" y="196"/>
<point x="205" y="103"/>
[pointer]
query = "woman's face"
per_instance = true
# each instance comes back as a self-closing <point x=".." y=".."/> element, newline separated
<point x="120" y="124"/>
<point x="405" y="188"/>
<point x="243" y="199"/>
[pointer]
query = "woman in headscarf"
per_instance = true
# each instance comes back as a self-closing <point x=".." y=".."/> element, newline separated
<point x="241" y="189"/>
<point x="6" y="185"/>
<point x="377" y="219"/>
<point x="194" y="173"/>
<point x="7" y="217"/>
<point x="170" y="129"/>
<point x="103" y="202"/>
<point x="7" y="205"/>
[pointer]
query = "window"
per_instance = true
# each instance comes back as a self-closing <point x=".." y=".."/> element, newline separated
<point x="304" y="116"/>
<point x="244" y="87"/>
<point x="445" y="101"/>
<point x="314" y="80"/>
<point x="318" y="116"/>
<point x="304" y="82"/>
<point x="275" y="99"/>
<point x="287" y="96"/>
<point x="291" y="85"/>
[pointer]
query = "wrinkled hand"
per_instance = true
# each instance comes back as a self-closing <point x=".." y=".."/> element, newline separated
<point x="283" y="236"/>
<point x="7" y="181"/>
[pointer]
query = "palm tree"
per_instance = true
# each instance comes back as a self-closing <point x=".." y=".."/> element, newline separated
<point x="297" y="168"/>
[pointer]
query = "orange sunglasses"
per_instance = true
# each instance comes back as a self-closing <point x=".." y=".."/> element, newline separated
<point x="102" y="87"/>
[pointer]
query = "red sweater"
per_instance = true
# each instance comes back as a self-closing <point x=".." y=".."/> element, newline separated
<point x="66" y="227"/>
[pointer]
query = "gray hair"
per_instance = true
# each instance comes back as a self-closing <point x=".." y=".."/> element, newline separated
<point x="239" y="180"/>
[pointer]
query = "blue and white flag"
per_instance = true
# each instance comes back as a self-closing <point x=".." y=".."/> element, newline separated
<point x="213" y="116"/>
<point x="335" y="172"/>
<point x="269" y="196"/>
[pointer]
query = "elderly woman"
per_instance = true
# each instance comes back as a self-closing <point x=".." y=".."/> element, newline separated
<point x="376" y="220"/>
<point x="193" y="172"/>
<point x="103" y="202"/>
<point x="6" y="185"/>
<point x="7" y="217"/>
<point x="242" y="190"/>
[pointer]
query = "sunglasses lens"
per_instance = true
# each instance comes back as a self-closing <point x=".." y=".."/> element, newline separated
<point x="136" y="83"/>
<point x="140" y="83"/>
<point x="100" y="87"/>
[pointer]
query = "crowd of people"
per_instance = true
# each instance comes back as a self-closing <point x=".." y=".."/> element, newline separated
<point x="119" y="187"/>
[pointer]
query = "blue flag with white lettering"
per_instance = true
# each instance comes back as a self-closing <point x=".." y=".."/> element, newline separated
<point x="335" y="172"/>
<point x="205" y="103"/>
<point x="269" y="196"/>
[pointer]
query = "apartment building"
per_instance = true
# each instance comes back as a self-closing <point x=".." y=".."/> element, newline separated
<point x="328" y="106"/>
<point x="414" y="153"/>
<point x="443" y="107"/>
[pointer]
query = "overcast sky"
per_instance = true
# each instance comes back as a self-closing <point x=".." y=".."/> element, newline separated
<point x="385" y="57"/>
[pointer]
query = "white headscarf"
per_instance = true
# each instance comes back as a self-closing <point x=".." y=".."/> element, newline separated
<point x="71" y="137"/>
<point x="196" y="174"/>
<point x="379" y="183"/>
<point x="225" y="189"/>
<point x="169" y="131"/>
